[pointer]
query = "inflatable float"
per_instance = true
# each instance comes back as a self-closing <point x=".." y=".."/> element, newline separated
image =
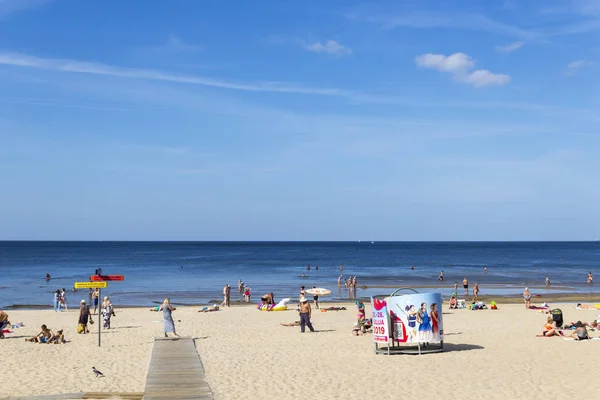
<point x="281" y="306"/>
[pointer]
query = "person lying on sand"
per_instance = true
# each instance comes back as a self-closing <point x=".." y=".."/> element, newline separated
<point x="580" y="306"/>
<point x="333" y="309"/>
<point x="575" y="325"/>
<point x="210" y="309"/>
<point x="295" y="323"/>
<point x="550" y="329"/>
<point x="357" y="331"/>
<point x="45" y="336"/>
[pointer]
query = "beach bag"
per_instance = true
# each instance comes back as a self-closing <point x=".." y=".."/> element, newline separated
<point x="80" y="328"/>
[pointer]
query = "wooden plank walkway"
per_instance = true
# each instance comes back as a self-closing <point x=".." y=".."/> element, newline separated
<point x="176" y="372"/>
<point x="83" y="395"/>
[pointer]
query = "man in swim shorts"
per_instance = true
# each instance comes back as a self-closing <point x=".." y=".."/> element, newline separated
<point x="466" y="286"/>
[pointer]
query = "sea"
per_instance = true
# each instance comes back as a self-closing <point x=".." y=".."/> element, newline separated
<point x="194" y="273"/>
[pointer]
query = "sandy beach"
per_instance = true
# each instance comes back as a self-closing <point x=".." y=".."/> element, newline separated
<point x="491" y="354"/>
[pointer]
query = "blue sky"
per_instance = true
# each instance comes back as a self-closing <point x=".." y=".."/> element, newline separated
<point x="300" y="120"/>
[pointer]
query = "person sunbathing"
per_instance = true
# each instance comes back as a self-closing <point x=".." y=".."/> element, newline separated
<point x="550" y="329"/>
<point x="580" y="306"/>
<point x="4" y="323"/>
<point x="575" y="325"/>
<point x="45" y="336"/>
<point x="357" y="331"/>
<point x="453" y="303"/>
<point x="334" y="308"/>
<point x="580" y="333"/>
<point x="210" y="309"/>
<point x="295" y="323"/>
<point x="59" y="338"/>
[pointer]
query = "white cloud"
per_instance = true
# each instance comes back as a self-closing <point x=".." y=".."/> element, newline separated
<point x="453" y="63"/>
<point x="460" y="65"/>
<point x="575" y="66"/>
<point x="483" y="77"/>
<point x="329" y="47"/>
<point x="508" y="48"/>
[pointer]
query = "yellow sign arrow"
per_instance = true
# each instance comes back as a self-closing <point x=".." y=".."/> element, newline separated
<point x="91" y="285"/>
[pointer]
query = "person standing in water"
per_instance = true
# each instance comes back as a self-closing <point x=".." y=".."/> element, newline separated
<point x="466" y="285"/>
<point x="441" y="276"/>
<point x="168" y="323"/>
<point x="341" y="268"/>
<point x="455" y="289"/>
<point x="56" y="300"/>
<point x="590" y="278"/>
<point x="547" y="283"/>
<point x="340" y="280"/>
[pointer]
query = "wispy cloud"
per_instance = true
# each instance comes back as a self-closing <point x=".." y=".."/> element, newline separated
<point x="575" y="66"/>
<point x="329" y="47"/>
<point x="510" y="47"/>
<point x="10" y="6"/>
<point x="471" y="22"/>
<point x="173" y="44"/>
<point x="81" y="67"/>
<point x="460" y="66"/>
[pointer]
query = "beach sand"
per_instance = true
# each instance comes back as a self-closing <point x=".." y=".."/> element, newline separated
<point x="248" y="355"/>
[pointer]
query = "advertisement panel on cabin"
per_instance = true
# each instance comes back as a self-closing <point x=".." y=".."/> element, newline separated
<point x="410" y="318"/>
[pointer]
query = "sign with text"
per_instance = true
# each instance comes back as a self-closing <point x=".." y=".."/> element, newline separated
<point x="90" y="285"/>
<point x="381" y="331"/>
<point x="97" y="278"/>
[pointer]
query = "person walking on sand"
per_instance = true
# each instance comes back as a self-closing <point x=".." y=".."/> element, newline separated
<point x="84" y="317"/>
<point x="226" y="296"/>
<point x="63" y="297"/>
<point x="305" y="314"/>
<point x="107" y="311"/>
<point x="476" y="291"/>
<point x="168" y="323"/>
<point x="527" y="297"/>
<point x="466" y="285"/>
<point x="56" y="301"/>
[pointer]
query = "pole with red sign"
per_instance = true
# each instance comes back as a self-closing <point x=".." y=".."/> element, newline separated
<point x="103" y="278"/>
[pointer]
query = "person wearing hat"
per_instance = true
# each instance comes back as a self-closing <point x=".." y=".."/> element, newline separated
<point x="305" y="314"/>
<point x="84" y="317"/>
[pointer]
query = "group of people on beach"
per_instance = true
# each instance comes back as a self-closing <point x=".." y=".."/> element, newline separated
<point x="60" y="300"/>
<point x="349" y="283"/>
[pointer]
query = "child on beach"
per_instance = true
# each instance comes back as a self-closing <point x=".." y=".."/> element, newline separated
<point x="4" y="322"/>
<point x="45" y="336"/>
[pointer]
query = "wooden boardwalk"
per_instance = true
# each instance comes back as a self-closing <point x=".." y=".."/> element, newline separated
<point x="176" y="372"/>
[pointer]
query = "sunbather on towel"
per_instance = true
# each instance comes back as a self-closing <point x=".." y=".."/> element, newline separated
<point x="580" y="333"/>
<point x="210" y="309"/>
<point x="550" y="329"/>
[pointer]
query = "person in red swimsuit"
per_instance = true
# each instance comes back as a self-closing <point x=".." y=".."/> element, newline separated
<point x="435" y="319"/>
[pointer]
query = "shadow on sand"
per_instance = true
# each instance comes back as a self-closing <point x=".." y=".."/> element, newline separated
<point x="448" y="347"/>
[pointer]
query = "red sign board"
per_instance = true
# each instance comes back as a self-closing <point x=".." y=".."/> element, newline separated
<point x="96" y="278"/>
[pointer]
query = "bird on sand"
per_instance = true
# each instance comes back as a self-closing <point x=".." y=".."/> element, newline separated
<point x="98" y="373"/>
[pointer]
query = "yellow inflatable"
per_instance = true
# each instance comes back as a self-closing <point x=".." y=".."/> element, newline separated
<point x="281" y="306"/>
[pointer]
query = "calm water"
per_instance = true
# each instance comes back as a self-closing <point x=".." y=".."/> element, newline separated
<point x="195" y="272"/>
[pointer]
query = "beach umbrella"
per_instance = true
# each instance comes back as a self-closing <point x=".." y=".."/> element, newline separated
<point x="319" y="291"/>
